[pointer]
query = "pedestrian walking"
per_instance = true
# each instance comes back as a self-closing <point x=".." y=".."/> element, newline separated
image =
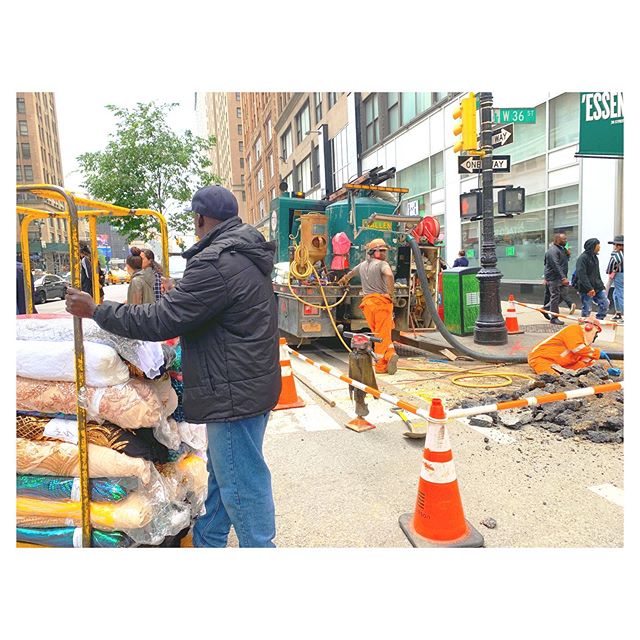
<point x="556" y="267"/>
<point x="225" y="313"/>
<point x="377" y="303"/>
<point x="461" y="260"/>
<point x="139" y="291"/>
<point x="149" y="265"/>
<point x="86" y="273"/>
<point x="588" y="281"/>
<point x="615" y="270"/>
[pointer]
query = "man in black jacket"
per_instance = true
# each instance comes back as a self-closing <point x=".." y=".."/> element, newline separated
<point x="556" y="265"/>
<point x="225" y="313"/>
<point x="589" y="283"/>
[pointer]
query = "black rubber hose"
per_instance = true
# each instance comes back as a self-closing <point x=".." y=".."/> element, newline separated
<point x="448" y="336"/>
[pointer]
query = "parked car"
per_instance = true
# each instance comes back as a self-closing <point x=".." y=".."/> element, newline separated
<point x="67" y="277"/>
<point x="49" y="287"/>
<point x="117" y="276"/>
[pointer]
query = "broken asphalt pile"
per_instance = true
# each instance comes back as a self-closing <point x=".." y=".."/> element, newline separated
<point x="597" y="418"/>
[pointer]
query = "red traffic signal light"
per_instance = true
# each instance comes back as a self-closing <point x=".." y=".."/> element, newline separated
<point x="471" y="204"/>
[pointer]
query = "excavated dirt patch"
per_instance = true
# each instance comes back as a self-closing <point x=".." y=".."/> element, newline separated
<point x="597" y="418"/>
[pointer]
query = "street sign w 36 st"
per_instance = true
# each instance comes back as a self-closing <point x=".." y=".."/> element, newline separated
<point x="517" y="116"/>
<point x="472" y="164"/>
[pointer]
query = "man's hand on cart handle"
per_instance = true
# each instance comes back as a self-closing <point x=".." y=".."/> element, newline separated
<point x="79" y="303"/>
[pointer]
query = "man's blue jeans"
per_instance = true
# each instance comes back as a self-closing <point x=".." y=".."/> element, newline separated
<point x="600" y="299"/>
<point x="239" y="486"/>
<point x="618" y="292"/>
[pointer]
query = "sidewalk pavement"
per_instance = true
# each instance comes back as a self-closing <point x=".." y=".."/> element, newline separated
<point x="535" y="326"/>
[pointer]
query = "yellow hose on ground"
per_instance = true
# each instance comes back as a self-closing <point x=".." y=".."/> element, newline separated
<point x="507" y="375"/>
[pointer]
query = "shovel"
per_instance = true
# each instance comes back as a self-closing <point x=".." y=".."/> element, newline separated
<point x="412" y="433"/>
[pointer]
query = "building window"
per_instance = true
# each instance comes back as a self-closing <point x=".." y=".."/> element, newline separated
<point x="304" y="175"/>
<point x="286" y="144"/>
<point x="393" y="111"/>
<point x="237" y="97"/>
<point x="415" y="178"/>
<point x="272" y="193"/>
<point x="261" y="209"/>
<point x="242" y="163"/>
<point x="340" y="159"/>
<point x="258" y="148"/>
<point x="303" y="124"/>
<point x="22" y="124"/>
<point x="269" y="131"/>
<point x="20" y="105"/>
<point x="26" y="151"/>
<point x="372" y="131"/>
<point x="564" y="120"/>
<point x="249" y="163"/>
<point x="244" y="197"/>
<point x="437" y="170"/>
<point x="242" y="178"/>
<point x="270" y="165"/>
<point x="28" y="173"/>
<point x="318" y="103"/>
<point x="564" y="218"/>
<point x="315" y="165"/>
<point x="18" y="173"/>
<point x="260" y="179"/>
<point x="332" y="98"/>
<point x="240" y="146"/>
<point x="239" y="129"/>
<point x="238" y="112"/>
<point x="289" y="181"/>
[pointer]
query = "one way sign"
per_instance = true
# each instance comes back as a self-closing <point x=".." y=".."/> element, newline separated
<point x="473" y="164"/>
<point x="502" y="135"/>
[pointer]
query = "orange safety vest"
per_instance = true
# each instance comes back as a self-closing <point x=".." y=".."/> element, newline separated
<point x="566" y="348"/>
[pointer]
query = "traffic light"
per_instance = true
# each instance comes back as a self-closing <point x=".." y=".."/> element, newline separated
<point x="466" y="112"/>
<point x="471" y="204"/>
<point x="511" y="200"/>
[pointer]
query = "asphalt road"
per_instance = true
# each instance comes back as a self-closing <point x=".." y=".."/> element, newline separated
<point x="334" y="487"/>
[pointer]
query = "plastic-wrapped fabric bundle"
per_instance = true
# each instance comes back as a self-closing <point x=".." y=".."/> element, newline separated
<point x="63" y="537"/>
<point x="47" y="360"/>
<point x="195" y="435"/>
<point x="138" y="443"/>
<point x="67" y="488"/>
<point x="187" y="480"/>
<point x="61" y="459"/>
<point x="135" y="512"/>
<point x="131" y="405"/>
<point x="147" y="356"/>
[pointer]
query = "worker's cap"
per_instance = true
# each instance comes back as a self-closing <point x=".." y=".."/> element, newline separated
<point x="214" y="202"/>
<point x="377" y="243"/>
<point x="616" y="240"/>
<point x="594" y="322"/>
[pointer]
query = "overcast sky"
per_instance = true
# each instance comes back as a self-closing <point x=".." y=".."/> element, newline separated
<point x="84" y="124"/>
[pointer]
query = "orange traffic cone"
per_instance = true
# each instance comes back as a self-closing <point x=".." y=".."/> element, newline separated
<point x="439" y="520"/>
<point x="511" y="319"/>
<point x="289" y="398"/>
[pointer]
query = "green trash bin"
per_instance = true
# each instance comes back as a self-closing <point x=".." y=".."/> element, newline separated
<point x="461" y="299"/>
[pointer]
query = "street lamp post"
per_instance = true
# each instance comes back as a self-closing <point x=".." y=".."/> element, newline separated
<point x="490" y="326"/>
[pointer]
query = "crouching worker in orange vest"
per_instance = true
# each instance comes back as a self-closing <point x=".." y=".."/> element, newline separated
<point x="570" y="348"/>
<point x="377" y="304"/>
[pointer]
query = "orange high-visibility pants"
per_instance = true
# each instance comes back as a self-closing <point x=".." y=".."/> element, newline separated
<point x="566" y="348"/>
<point x="378" y="311"/>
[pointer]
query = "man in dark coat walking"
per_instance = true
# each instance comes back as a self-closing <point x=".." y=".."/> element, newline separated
<point x="588" y="281"/>
<point x="225" y="313"/>
<point x="556" y="266"/>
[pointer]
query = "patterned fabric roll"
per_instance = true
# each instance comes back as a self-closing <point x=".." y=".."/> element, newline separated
<point x="139" y="443"/>
<point x="66" y="488"/>
<point x="61" y="459"/>
<point x="64" y="537"/>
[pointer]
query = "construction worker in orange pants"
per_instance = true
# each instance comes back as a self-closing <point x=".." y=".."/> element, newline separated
<point x="377" y="304"/>
<point x="570" y="349"/>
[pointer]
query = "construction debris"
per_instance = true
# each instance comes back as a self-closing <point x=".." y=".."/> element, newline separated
<point x="597" y="418"/>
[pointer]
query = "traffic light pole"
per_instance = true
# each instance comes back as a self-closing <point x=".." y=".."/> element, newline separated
<point x="490" y="327"/>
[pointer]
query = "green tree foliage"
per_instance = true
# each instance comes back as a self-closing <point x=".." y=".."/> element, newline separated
<point x="147" y="165"/>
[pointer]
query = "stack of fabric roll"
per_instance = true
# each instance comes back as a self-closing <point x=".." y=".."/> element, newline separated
<point x="147" y="482"/>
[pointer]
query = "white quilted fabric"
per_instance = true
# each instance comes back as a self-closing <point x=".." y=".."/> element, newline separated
<point x="46" y="360"/>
